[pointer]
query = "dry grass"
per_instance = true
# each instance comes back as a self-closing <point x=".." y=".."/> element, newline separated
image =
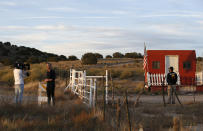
<point x="68" y="114"/>
<point x="115" y="60"/>
<point x="154" y="117"/>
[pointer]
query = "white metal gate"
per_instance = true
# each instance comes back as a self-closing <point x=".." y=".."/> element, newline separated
<point x="85" y="86"/>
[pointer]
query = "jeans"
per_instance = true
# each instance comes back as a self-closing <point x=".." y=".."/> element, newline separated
<point x="19" y="88"/>
<point x="171" y="94"/>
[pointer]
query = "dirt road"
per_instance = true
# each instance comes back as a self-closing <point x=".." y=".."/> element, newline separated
<point x="157" y="99"/>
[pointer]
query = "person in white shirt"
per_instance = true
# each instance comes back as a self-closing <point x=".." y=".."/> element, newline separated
<point x="19" y="76"/>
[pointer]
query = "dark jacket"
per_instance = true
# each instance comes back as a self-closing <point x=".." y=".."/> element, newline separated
<point x="171" y="78"/>
<point x="51" y="75"/>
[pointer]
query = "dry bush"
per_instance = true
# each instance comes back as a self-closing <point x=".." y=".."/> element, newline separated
<point x="67" y="64"/>
<point x="37" y="72"/>
<point x="126" y="74"/>
<point x="83" y="118"/>
<point x="6" y="75"/>
<point x="130" y="85"/>
<point x="95" y="72"/>
<point x="115" y="73"/>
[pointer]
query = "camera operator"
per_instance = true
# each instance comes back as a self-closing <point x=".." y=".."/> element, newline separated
<point x="19" y="74"/>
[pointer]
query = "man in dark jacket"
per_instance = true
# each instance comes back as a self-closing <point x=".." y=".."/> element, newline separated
<point x="171" y="80"/>
<point x="50" y="79"/>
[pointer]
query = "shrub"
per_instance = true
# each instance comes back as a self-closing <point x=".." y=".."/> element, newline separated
<point x="118" y="55"/>
<point x="6" y="76"/>
<point x="199" y="58"/>
<point x="133" y="55"/>
<point x="89" y="59"/>
<point x="72" y="58"/>
<point x="7" y="61"/>
<point x="95" y="72"/>
<point x="108" y="56"/>
<point x="126" y="74"/>
<point x="37" y="72"/>
<point x="62" y="57"/>
<point x="115" y="73"/>
<point x="99" y="56"/>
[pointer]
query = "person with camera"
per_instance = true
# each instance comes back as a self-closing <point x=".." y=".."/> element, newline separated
<point x="50" y="79"/>
<point x="19" y="74"/>
<point x="171" y="80"/>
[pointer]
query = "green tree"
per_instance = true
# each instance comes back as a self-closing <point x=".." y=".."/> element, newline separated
<point x="7" y="44"/>
<point x="62" y="57"/>
<point x="89" y="59"/>
<point x="133" y="55"/>
<point x="108" y="57"/>
<point x="118" y="55"/>
<point x="99" y="56"/>
<point x="72" y="58"/>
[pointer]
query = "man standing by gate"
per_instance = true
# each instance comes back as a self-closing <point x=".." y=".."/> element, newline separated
<point x="171" y="80"/>
<point x="50" y="79"/>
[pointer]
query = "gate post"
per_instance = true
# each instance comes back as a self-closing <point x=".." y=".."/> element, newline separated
<point x="73" y="80"/>
<point x="95" y="89"/>
<point x="90" y="97"/>
<point x="84" y="83"/>
<point x="106" y="86"/>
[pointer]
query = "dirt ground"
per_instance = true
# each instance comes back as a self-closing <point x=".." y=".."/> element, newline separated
<point x="151" y="99"/>
<point x="156" y="99"/>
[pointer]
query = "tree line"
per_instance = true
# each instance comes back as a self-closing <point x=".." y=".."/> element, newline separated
<point x="92" y="58"/>
<point x="9" y="54"/>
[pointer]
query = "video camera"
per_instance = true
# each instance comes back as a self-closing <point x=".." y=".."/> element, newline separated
<point x="22" y="66"/>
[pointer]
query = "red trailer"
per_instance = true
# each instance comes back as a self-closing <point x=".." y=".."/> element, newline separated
<point x="158" y="62"/>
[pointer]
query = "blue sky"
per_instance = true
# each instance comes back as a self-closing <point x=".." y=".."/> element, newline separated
<point x="74" y="27"/>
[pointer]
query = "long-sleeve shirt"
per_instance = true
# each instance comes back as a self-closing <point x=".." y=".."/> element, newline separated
<point x="51" y="75"/>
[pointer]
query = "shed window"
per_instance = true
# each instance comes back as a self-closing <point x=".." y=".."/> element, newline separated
<point x="187" y="65"/>
<point x="156" y="65"/>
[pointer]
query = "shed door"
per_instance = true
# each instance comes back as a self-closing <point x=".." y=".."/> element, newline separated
<point x="172" y="60"/>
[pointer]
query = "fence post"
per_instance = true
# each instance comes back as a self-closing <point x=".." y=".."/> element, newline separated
<point x="193" y="86"/>
<point x="127" y="110"/>
<point x="66" y="75"/>
<point x="73" y="80"/>
<point x="85" y="81"/>
<point x="39" y="95"/>
<point x="106" y="86"/>
<point x="118" y="114"/>
<point x="112" y="86"/>
<point x="95" y="93"/>
<point x="163" y="93"/>
<point x="104" y="109"/>
<point x="178" y="98"/>
<point x="90" y="98"/>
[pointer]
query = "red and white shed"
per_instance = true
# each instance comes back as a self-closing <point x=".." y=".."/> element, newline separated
<point x="158" y="62"/>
